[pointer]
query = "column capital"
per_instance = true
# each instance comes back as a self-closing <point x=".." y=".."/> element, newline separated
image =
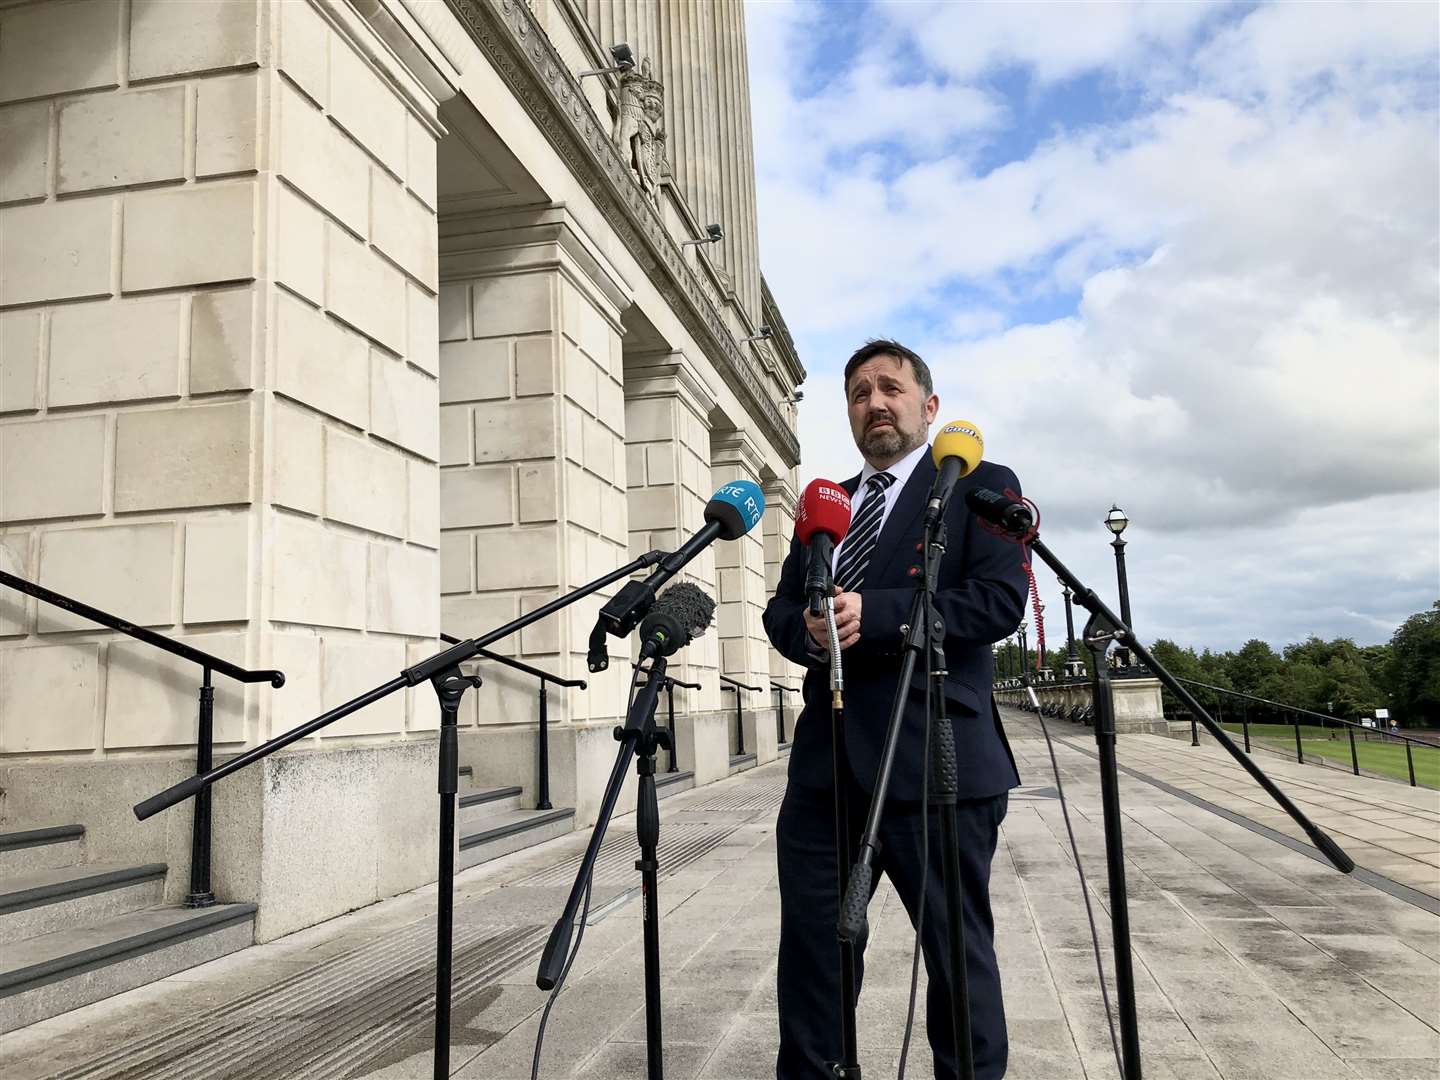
<point x="665" y="374"/>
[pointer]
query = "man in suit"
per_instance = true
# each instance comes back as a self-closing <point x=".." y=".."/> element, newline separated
<point x="981" y="595"/>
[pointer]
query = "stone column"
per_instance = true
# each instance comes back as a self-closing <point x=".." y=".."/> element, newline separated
<point x="532" y="422"/>
<point x="702" y="63"/>
<point x="635" y="22"/>
<point x="667" y="408"/>
<point x="744" y="648"/>
<point x="219" y="269"/>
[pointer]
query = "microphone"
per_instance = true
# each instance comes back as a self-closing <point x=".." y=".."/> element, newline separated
<point x="821" y="522"/>
<point x="680" y="615"/>
<point x="957" y="452"/>
<point x="731" y="512"/>
<point x="1001" y="510"/>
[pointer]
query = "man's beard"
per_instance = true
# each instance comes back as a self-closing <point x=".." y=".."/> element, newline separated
<point x="886" y="443"/>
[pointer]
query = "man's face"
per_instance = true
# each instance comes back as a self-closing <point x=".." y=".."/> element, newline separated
<point x="890" y="414"/>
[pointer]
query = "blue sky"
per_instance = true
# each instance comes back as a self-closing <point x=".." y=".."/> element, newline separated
<point x="1202" y="238"/>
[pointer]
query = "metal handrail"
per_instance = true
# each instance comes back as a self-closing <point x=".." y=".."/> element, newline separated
<point x="736" y="686"/>
<point x="668" y="683"/>
<point x="1303" y="712"/>
<point x="741" y="685"/>
<point x="519" y="665"/>
<point x="140" y="633"/>
<point x="1349" y="726"/>
<point x="542" y="801"/>
<point x="200" y="895"/>
<point x="669" y="680"/>
<point x="781" y="689"/>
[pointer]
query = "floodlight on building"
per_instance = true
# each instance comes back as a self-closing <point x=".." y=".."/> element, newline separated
<point x="624" y="61"/>
<point x="713" y="235"/>
<point x="763" y="334"/>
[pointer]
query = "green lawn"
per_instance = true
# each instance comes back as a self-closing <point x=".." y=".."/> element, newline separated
<point x="1376" y="754"/>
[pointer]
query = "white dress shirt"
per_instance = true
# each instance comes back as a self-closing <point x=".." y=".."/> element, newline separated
<point x="901" y="471"/>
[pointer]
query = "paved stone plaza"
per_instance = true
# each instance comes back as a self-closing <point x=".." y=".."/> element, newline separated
<point x="1253" y="960"/>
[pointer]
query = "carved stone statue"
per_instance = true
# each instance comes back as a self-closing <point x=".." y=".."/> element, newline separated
<point x="640" y="128"/>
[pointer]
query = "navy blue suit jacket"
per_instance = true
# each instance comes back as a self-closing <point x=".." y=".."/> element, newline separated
<point x="981" y="594"/>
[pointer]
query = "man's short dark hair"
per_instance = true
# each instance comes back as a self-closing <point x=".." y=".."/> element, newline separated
<point x="885" y="347"/>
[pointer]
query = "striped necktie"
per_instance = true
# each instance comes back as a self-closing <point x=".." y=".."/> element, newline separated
<point x="864" y="531"/>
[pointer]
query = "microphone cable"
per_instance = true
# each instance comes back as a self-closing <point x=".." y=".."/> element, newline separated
<point x="579" y="933"/>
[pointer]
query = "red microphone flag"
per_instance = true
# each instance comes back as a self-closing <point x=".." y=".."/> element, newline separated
<point x="824" y="508"/>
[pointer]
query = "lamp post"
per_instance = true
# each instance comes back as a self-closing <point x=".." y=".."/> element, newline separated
<point x="1116" y="521"/>
<point x="1073" y="667"/>
<point x="1024" y="625"/>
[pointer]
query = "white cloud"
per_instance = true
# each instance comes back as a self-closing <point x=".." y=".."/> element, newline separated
<point x="1255" y="247"/>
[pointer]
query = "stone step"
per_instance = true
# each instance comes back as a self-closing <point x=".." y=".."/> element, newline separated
<point x="741" y="762"/>
<point x="672" y="783"/>
<point x="26" y="850"/>
<point x="467" y="778"/>
<point x="475" y="806"/>
<point x="510" y="831"/>
<point x="56" y="972"/>
<point x="43" y="901"/>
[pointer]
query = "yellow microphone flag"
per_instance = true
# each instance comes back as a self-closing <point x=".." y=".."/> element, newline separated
<point x="959" y="439"/>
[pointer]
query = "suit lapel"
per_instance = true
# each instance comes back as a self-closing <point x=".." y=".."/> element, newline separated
<point x="901" y="520"/>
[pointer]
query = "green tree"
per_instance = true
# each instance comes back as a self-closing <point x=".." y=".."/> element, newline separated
<point x="1413" y="672"/>
<point x="1252" y="666"/>
<point x="1179" y="661"/>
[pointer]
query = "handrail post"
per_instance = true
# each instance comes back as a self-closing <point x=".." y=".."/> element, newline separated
<point x="544" y="801"/>
<point x="1354" y="758"/>
<point x="779" y="716"/>
<point x="1245" y="723"/>
<point x="1299" y="752"/>
<point x="670" y="722"/>
<point x="1194" y="731"/>
<point x="739" y="725"/>
<point x="1410" y="761"/>
<point x="200" y="894"/>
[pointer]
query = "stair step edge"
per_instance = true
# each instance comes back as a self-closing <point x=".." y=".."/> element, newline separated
<point x="53" y="834"/>
<point x="196" y="921"/>
<point x="31" y="890"/>
<point x="479" y="798"/>
<point x="543" y="817"/>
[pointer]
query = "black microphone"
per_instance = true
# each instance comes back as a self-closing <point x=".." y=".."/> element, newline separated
<point x="1001" y="510"/>
<point x="731" y="512"/>
<point x="680" y="615"/>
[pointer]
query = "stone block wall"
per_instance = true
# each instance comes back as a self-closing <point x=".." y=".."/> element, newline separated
<point x="219" y="366"/>
<point x="130" y="223"/>
<point x="668" y="451"/>
<point x="218" y="392"/>
<point x="532" y="430"/>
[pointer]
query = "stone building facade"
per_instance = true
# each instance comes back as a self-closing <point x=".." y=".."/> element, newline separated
<point x="330" y="325"/>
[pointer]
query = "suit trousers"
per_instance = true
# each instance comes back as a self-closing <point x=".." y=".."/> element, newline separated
<point x="808" y="976"/>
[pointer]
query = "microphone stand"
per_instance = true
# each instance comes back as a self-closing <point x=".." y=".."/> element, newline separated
<point x="639" y="737"/>
<point x="925" y="629"/>
<point x="1103" y="627"/>
<point x="848" y="1068"/>
<point x="443" y="672"/>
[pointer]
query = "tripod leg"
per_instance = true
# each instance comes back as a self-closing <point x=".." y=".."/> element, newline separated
<point x="1115" y="860"/>
<point x="450" y="685"/>
<point x="849" y="1065"/>
<point x="955" y="919"/>
<point x="647" y="825"/>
